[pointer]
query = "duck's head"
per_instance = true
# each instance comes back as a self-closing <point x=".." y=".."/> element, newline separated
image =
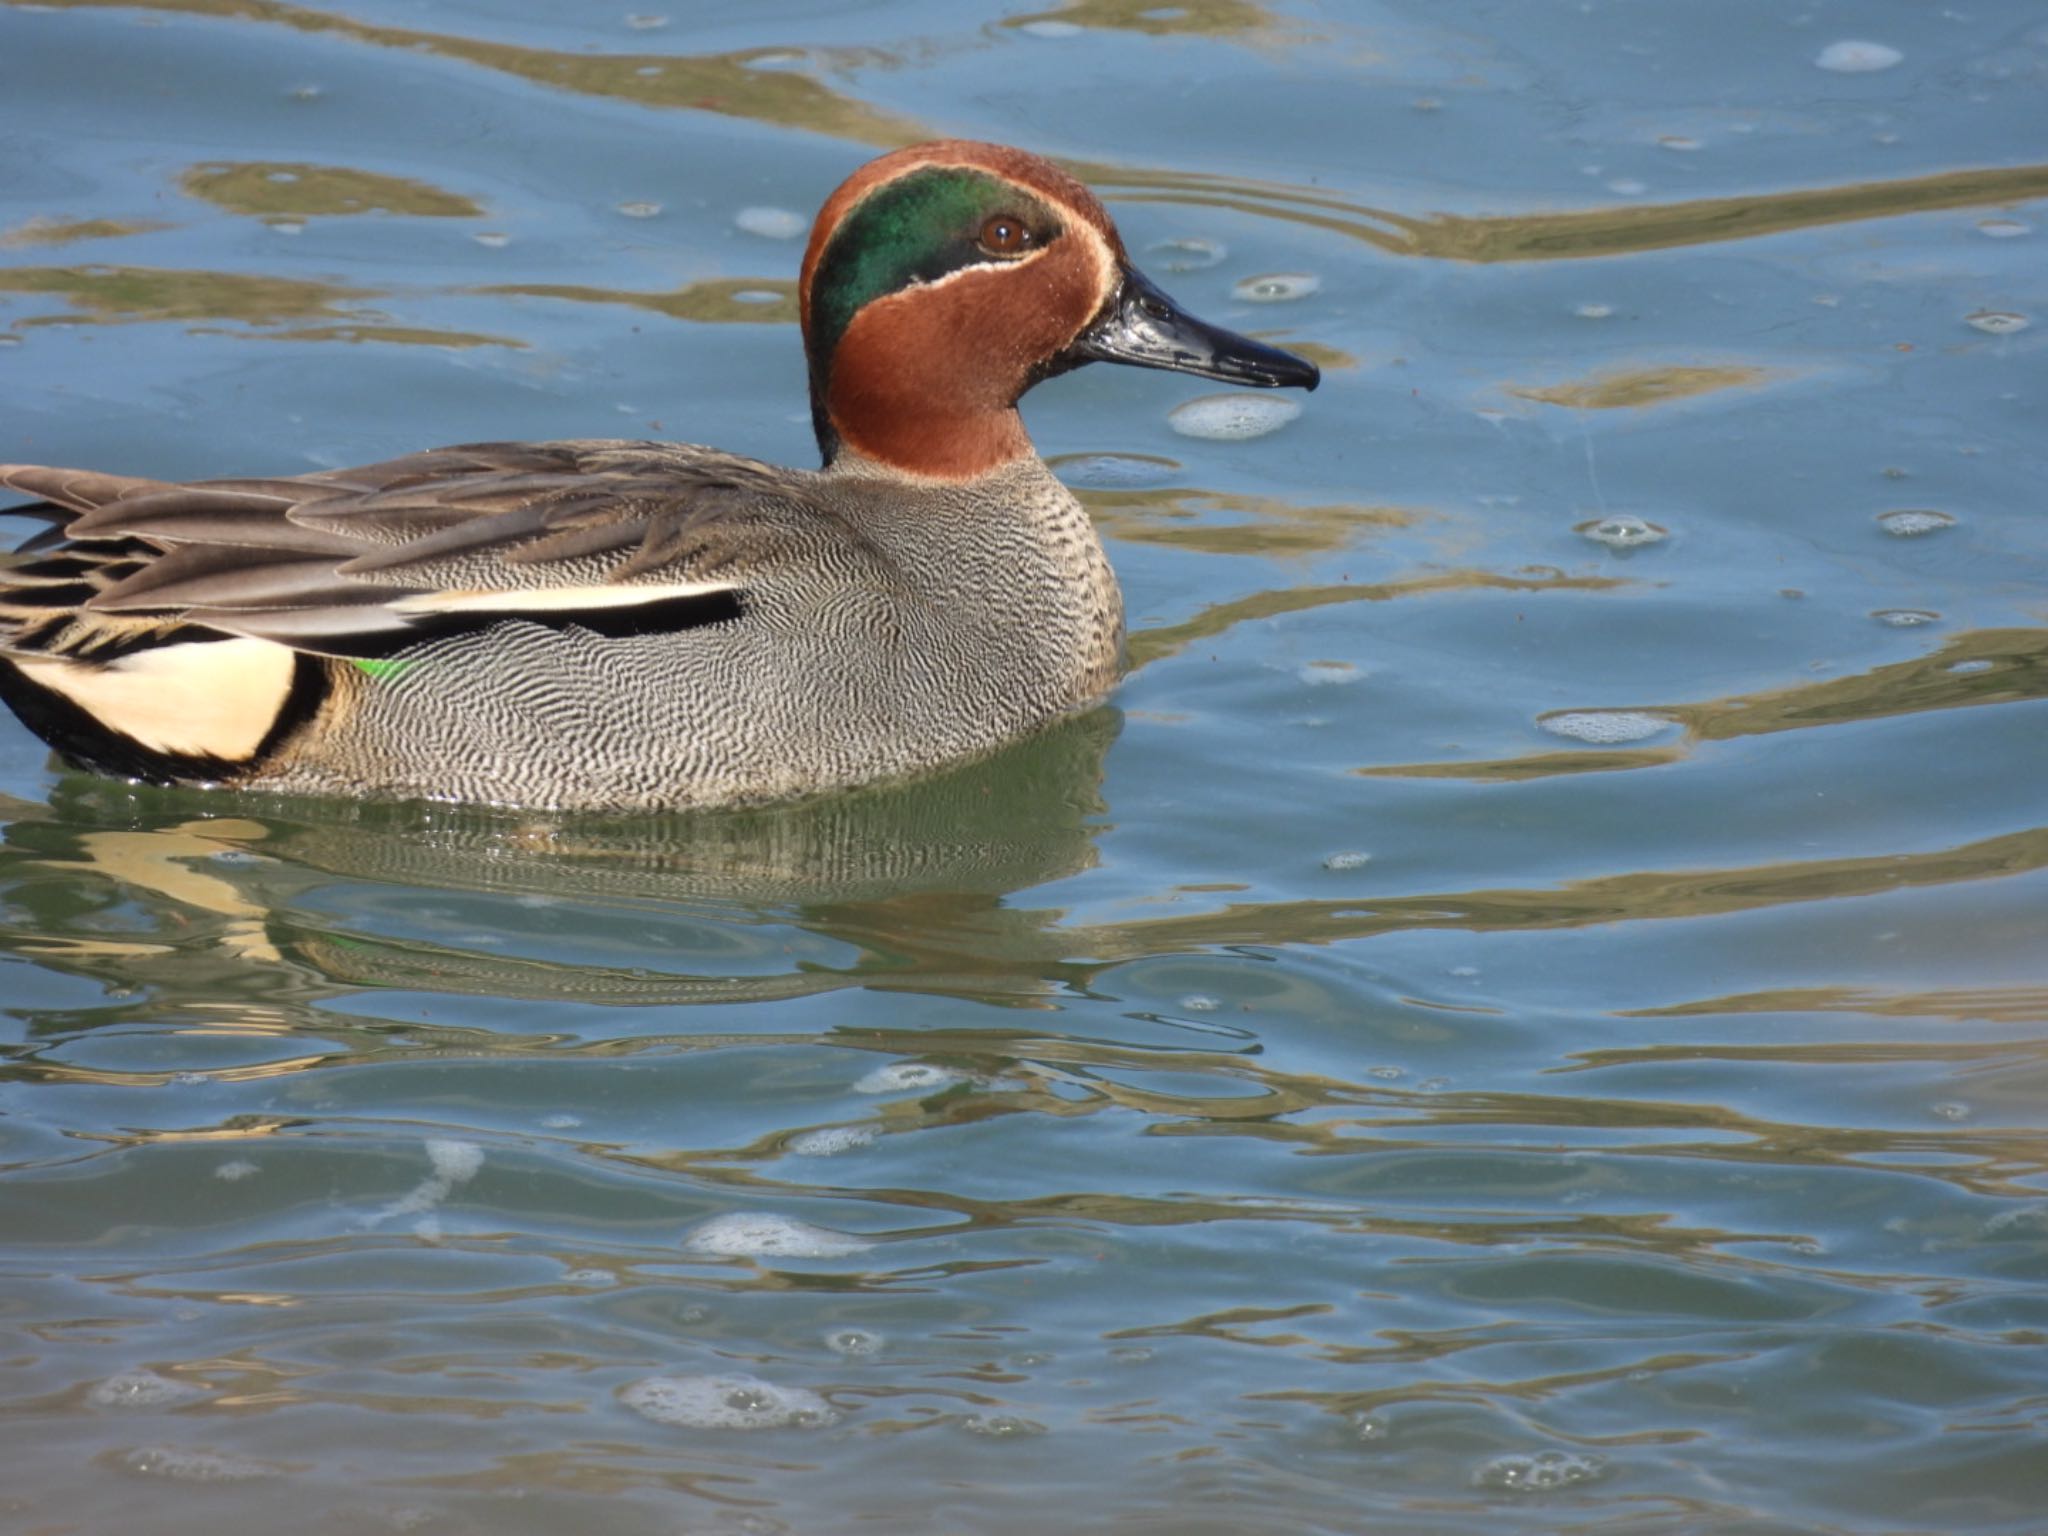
<point x="944" y="280"/>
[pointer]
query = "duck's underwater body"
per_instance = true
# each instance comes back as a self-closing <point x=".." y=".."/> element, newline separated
<point x="624" y="625"/>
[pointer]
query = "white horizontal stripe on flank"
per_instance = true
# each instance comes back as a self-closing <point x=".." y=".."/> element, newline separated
<point x="554" y="599"/>
<point x="214" y="698"/>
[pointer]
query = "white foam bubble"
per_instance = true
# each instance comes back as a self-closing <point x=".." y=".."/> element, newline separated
<point x="1001" y="1426"/>
<point x="2018" y="1219"/>
<point x="771" y="223"/>
<point x="907" y="1076"/>
<point x="1906" y="618"/>
<point x="1232" y="418"/>
<point x="1594" y="311"/>
<point x="1201" y="1002"/>
<point x="1189" y="253"/>
<point x="1998" y="322"/>
<point x="1276" y="287"/>
<point x="640" y="209"/>
<point x="182" y="1464"/>
<point x="1854" y="56"/>
<point x="455" y="1161"/>
<point x="1622" y="530"/>
<point x="1325" y="674"/>
<point x="1914" y="522"/>
<point x="854" y="1343"/>
<point x="493" y="239"/>
<point x="832" y="1140"/>
<point x="1049" y="28"/>
<point x="2004" y="229"/>
<point x="1545" y="1472"/>
<point x="1350" y="859"/>
<point x="454" y="1164"/>
<point x="646" y="23"/>
<point x="1605" y="727"/>
<point x="763" y="1234"/>
<point x="235" y="1169"/>
<point x="727" y="1402"/>
<point x="1115" y="471"/>
<point x="141" y="1389"/>
<point x="561" y="1122"/>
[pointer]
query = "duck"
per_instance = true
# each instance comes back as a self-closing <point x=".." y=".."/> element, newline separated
<point x="613" y="625"/>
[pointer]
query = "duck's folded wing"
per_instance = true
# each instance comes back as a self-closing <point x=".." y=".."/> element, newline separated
<point x="359" y="562"/>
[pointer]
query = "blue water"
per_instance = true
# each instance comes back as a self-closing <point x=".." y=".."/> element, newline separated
<point x="1504" y="1023"/>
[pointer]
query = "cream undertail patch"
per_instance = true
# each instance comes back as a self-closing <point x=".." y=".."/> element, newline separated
<point x="216" y="698"/>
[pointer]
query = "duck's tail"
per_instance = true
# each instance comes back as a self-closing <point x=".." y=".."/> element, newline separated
<point x="139" y="695"/>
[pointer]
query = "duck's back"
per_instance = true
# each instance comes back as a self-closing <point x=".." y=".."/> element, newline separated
<point x="588" y="624"/>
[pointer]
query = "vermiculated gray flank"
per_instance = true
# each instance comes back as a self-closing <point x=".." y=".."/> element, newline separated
<point x="886" y="629"/>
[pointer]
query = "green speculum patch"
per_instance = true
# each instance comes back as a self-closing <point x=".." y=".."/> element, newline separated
<point x="914" y="230"/>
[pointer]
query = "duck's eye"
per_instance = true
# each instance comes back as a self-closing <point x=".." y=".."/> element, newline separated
<point x="1005" y="235"/>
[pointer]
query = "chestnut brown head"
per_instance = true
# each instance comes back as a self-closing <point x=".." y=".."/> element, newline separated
<point x="942" y="281"/>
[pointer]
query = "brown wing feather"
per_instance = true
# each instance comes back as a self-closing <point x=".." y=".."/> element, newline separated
<point x="75" y="490"/>
<point x="322" y="561"/>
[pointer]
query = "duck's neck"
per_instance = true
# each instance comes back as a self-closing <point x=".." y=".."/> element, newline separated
<point x="914" y="383"/>
<point x="913" y="422"/>
<point x="952" y="446"/>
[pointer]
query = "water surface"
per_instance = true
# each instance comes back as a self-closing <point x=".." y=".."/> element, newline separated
<point x="1527" y="1011"/>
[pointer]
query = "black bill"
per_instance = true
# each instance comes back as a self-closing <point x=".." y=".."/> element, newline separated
<point x="1145" y="328"/>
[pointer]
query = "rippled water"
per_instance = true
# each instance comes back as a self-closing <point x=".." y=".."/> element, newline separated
<point x="1509" y="1022"/>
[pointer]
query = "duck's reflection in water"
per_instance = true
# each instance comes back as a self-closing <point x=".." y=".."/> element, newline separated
<point x="201" y="899"/>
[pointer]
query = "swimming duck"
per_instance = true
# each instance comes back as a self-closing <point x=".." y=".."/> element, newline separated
<point x="628" y="625"/>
